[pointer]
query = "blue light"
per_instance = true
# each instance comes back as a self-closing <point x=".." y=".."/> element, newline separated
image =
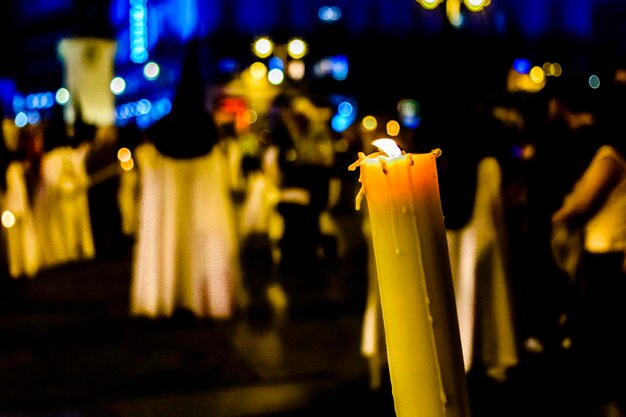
<point x="21" y="119"/>
<point x="340" y="67"/>
<point x="329" y="14"/>
<point x="228" y="65"/>
<point x="138" y="16"/>
<point x="411" y="122"/>
<point x="34" y="117"/>
<point x="345" y="108"/>
<point x="521" y="65"/>
<point x="162" y="106"/>
<point x="340" y="123"/>
<point x="144" y="121"/>
<point x="276" y="63"/>
<point x="7" y="93"/>
<point x="144" y="106"/>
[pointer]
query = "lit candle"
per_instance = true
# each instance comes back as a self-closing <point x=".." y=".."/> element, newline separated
<point x="415" y="281"/>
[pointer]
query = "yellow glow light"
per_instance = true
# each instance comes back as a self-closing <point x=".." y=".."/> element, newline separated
<point x="552" y="69"/>
<point x="369" y="123"/>
<point x="620" y="76"/>
<point x="476" y="5"/>
<point x="429" y="4"/>
<point x="123" y="154"/>
<point x="258" y="70"/>
<point x="393" y="128"/>
<point x="263" y="47"/>
<point x="128" y="164"/>
<point x="297" y="48"/>
<point x="537" y="75"/>
<point x="250" y="116"/>
<point x="8" y="219"/>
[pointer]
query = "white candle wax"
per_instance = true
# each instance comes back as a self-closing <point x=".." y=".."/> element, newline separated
<point x="415" y="281"/>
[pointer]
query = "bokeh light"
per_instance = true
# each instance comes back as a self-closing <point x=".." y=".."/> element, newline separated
<point x="8" y="219"/>
<point x="297" y="48"/>
<point x="276" y="76"/>
<point x="392" y="128"/>
<point x="151" y="71"/>
<point x="369" y="123"/>
<point x="258" y="70"/>
<point x="263" y="47"/>
<point x="118" y="85"/>
<point x="62" y="96"/>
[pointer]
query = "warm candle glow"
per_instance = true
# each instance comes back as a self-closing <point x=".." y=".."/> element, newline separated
<point x="388" y="146"/>
<point x="415" y="281"/>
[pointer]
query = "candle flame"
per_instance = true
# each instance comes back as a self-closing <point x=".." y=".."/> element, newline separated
<point x="388" y="146"/>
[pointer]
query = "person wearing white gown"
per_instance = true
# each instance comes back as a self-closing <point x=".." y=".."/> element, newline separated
<point x="22" y="249"/>
<point x="60" y="204"/>
<point x="22" y="245"/>
<point x="186" y="250"/>
<point x="482" y="282"/>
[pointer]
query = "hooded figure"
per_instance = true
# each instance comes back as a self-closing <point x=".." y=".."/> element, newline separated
<point x="186" y="254"/>
<point x="189" y="129"/>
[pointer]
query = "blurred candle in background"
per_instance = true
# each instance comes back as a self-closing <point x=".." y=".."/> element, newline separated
<point x="415" y="280"/>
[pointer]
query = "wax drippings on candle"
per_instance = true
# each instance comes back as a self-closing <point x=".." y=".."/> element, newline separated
<point x="437" y="152"/>
<point x="359" y="198"/>
<point x="383" y="165"/>
<point x="353" y="166"/>
<point x="361" y="158"/>
<point x="443" y="397"/>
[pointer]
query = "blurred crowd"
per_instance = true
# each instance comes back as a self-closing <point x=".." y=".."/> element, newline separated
<point x="224" y="216"/>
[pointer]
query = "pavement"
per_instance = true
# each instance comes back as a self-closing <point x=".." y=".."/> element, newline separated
<point x="68" y="347"/>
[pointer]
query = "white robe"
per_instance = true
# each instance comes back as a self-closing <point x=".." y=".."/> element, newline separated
<point x="22" y="246"/>
<point x="186" y="252"/>
<point x="479" y="263"/>
<point x="480" y="270"/>
<point x="61" y="208"/>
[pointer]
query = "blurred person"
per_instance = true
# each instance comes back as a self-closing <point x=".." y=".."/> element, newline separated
<point x="596" y="209"/>
<point x="60" y="204"/>
<point x="562" y="128"/>
<point x="473" y="183"/>
<point x="186" y="249"/>
<point x="480" y="261"/>
<point x="260" y="227"/>
<point x="104" y="171"/>
<point x="129" y="137"/>
<point x="300" y="131"/>
<point x="22" y="246"/>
